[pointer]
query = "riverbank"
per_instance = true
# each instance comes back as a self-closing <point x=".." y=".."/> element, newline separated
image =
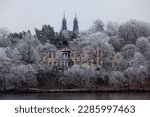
<point x="108" y="90"/>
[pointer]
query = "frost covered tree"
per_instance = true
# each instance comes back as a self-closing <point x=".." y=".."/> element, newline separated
<point x="47" y="47"/>
<point x="138" y="60"/>
<point x="45" y="34"/>
<point x="130" y="75"/>
<point x="139" y="65"/>
<point x="142" y="74"/>
<point x="112" y="28"/>
<point x="5" y="64"/>
<point x="14" y="54"/>
<point x="117" y="43"/>
<point x="128" y="51"/>
<point x="143" y="45"/>
<point x="132" y="30"/>
<point x="25" y="76"/>
<point x="135" y="74"/>
<point x="27" y="47"/>
<point x="96" y="45"/>
<point x="101" y="76"/>
<point x="95" y="42"/>
<point x="117" y="78"/>
<point x="15" y="37"/>
<point x="14" y="74"/>
<point x="78" y="76"/>
<point x="4" y="39"/>
<point x="98" y="26"/>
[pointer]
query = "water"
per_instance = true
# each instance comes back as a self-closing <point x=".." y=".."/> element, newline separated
<point x="76" y="96"/>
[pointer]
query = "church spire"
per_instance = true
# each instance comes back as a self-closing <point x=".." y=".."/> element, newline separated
<point x="75" y="15"/>
<point x="63" y="14"/>
<point x="75" y="24"/>
<point x="64" y="23"/>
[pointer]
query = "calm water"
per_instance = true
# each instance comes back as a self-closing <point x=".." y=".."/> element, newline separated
<point x="76" y="96"/>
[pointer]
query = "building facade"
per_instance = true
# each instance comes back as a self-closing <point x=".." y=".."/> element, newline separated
<point x="66" y="57"/>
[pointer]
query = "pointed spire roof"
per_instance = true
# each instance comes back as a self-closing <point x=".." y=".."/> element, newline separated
<point x="63" y="14"/>
<point x="75" y="24"/>
<point x="64" y="23"/>
<point x="75" y="17"/>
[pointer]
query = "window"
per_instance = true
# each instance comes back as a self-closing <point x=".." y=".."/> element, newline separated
<point x="54" y="63"/>
<point x="58" y="63"/>
<point x="63" y="64"/>
<point x="78" y="62"/>
<point x="66" y="55"/>
<point x="54" y="55"/>
<point x="50" y="55"/>
<point x="72" y="54"/>
<point x="63" y="55"/>
<point x="66" y="64"/>
<point x="72" y="63"/>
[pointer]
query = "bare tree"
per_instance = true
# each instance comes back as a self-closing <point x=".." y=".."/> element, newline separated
<point x="132" y="30"/>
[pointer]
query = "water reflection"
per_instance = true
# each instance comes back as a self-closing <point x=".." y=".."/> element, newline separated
<point x="76" y="96"/>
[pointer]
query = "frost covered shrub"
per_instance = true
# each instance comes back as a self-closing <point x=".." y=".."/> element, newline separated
<point x="78" y="76"/>
<point x="128" y="51"/>
<point x="117" y="78"/>
<point x="143" y="45"/>
<point x="26" y="75"/>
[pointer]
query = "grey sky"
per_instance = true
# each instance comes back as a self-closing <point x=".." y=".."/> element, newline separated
<point x="18" y="15"/>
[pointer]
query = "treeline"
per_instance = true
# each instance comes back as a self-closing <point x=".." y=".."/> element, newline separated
<point x="47" y="34"/>
<point x="21" y="66"/>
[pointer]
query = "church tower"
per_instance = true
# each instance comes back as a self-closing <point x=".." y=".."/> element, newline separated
<point x="75" y="25"/>
<point x="64" y="24"/>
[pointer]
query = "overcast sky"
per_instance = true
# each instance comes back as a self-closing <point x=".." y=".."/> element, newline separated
<point x="19" y="15"/>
